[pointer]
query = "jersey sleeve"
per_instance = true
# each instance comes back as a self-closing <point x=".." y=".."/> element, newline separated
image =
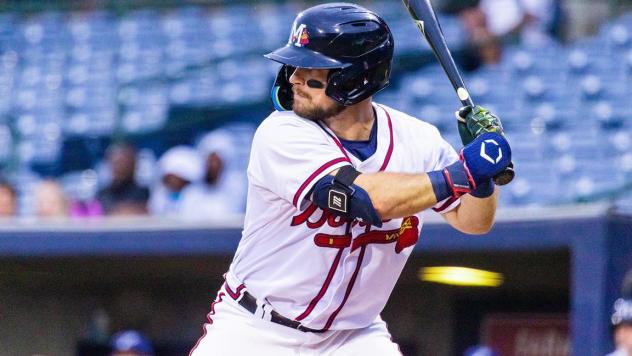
<point x="289" y="155"/>
<point x="445" y="156"/>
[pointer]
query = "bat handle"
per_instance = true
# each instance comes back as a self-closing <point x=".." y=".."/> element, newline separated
<point x="505" y="176"/>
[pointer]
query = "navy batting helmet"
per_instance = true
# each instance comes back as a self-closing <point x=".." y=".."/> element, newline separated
<point x="351" y="41"/>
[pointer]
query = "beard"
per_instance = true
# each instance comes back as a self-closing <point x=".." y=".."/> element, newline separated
<point x="317" y="113"/>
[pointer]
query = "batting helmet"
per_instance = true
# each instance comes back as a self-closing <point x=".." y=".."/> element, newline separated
<point x="351" y="41"/>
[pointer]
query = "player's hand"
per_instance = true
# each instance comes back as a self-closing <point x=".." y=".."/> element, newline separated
<point x="486" y="156"/>
<point x="473" y="122"/>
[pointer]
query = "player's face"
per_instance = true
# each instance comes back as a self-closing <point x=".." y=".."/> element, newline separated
<point x="312" y="103"/>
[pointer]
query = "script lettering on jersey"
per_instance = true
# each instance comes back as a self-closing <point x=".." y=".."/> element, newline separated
<point x="314" y="218"/>
<point x="407" y="235"/>
<point x="317" y="222"/>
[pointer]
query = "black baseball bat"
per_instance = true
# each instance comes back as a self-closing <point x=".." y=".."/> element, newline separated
<point x="425" y="18"/>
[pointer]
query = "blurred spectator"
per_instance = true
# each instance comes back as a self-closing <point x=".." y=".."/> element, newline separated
<point x="8" y="199"/>
<point x="123" y="196"/>
<point x="130" y="343"/>
<point x="479" y="350"/>
<point x="483" y="46"/>
<point x="532" y="22"/>
<point x="222" y="190"/>
<point x="490" y="23"/>
<point x="87" y="208"/>
<point x="50" y="200"/>
<point x="622" y="324"/>
<point x="179" y="167"/>
<point x="622" y="319"/>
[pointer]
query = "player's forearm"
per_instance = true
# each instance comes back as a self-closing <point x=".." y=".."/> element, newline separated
<point x="395" y="195"/>
<point x="474" y="215"/>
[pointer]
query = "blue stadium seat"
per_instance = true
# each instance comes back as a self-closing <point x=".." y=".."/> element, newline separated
<point x="535" y="184"/>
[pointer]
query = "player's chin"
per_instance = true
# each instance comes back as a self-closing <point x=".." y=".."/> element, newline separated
<point x="305" y="114"/>
<point x="301" y="109"/>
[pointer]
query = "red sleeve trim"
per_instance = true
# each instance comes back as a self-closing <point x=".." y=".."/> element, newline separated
<point x="387" y="159"/>
<point x="445" y="205"/>
<point x="314" y="175"/>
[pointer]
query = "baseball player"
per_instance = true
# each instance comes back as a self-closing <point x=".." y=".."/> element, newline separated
<point x="337" y="187"/>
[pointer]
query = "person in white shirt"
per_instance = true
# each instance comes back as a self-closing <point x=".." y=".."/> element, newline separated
<point x="622" y="327"/>
<point x="179" y="167"/>
<point x="222" y="190"/>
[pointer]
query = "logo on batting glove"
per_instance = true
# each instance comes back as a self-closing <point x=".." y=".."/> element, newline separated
<point x="489" y="143"/>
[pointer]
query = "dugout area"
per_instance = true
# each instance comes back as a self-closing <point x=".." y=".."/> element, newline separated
<point x="169" y="297"/>
<point x="434" y="319"/>
<point x="76" y="287"/>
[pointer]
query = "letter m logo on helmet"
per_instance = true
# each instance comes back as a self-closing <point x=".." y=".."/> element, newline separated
<point x="299" y="36"/>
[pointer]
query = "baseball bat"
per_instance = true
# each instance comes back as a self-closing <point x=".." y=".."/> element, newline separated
<point x="426" y="20"/>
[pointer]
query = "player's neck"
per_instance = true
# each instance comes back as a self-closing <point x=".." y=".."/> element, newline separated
<point x="354" y="123"/>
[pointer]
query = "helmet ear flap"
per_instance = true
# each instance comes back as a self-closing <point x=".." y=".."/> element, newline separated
<point x="281" y="94"/>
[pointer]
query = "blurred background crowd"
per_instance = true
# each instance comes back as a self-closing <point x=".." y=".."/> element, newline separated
<point x="123" y="107"/>
<point x="189" y="182"/>
<point x="148" y="108"/>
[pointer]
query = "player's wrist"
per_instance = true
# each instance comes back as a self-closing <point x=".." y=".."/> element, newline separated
<point x="484" y="190"/>
<point x="452" y="181"/>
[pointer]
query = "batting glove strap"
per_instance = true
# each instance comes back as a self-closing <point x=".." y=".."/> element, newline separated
<point x="452" y="181"/>
<point x="458" y="178"/>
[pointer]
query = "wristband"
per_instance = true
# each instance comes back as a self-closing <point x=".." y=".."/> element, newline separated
<point x="452" y="181"/>
<point x="439" y="185"/>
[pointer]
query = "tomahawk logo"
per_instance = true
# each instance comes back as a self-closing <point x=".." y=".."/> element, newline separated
<point x="299" y="36"/>
<point x="486" y="156"/>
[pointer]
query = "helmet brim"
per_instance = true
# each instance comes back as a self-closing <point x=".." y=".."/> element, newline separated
<point x="302" y="57"/>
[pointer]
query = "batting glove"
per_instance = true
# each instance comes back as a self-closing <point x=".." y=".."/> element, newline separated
<point x="473" y="122"/>
<point x="486" y="156"/>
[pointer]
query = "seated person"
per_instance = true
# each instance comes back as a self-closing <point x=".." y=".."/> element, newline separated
<point x="179" y="167"/>
<point x="123" y="196"/>
<point x="50" y="199"/>
<point x="8" y="199"/>
<point x="222" y="190"/>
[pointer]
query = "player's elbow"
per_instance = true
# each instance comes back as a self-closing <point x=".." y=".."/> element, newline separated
<point x="473" y="230"/>
<point x="384" y="207"/>
<point x="480" y="229"/>
<point x="479" y="226"/>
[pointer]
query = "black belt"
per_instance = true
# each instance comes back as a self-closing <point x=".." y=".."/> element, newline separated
<point x="250" y="303"/>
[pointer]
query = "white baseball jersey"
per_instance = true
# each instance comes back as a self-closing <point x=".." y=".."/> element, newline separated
<point x="308" y="264"/>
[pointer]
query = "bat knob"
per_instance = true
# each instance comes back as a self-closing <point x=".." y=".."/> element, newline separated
<point x="505" y="176"/>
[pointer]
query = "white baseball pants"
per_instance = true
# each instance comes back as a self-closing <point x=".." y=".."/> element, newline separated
<point x="234" y="331"/>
